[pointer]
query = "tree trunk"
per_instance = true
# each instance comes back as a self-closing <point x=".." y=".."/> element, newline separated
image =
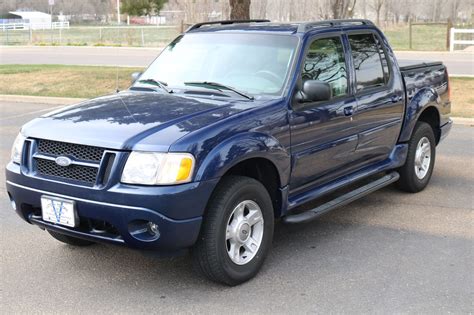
<point x="239" y="9"/>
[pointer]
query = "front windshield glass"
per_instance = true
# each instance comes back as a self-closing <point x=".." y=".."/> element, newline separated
<point x="256" y="64"/>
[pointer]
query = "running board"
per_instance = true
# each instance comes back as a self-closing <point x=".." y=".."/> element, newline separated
<point x="342" y="200"/>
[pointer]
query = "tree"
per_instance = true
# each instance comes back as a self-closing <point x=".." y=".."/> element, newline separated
<point x="342" y="9"/>
<point x="377" y="6"/>
<point x="239" y="9"/>
<point x="142" y="7"/>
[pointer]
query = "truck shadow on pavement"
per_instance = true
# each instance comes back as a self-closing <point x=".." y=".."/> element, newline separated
<point x="367" y="236"/>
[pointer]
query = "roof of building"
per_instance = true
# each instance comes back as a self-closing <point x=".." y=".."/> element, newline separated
<point x="31" y="14"/>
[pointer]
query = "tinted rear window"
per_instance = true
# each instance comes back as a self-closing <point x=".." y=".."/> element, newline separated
<point x="367" y="61"/>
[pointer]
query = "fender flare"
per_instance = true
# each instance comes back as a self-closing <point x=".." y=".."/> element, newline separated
<point x="241" y="147"/>
<point x="425" y="98"/>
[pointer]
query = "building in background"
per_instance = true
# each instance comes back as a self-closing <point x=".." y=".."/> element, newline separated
<point x="35" y="19"/>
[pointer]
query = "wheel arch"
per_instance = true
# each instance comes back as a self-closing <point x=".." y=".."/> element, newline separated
<point x="422" y="107"/>
<point x="254" y="155"/>
<point x="265" y="172"/>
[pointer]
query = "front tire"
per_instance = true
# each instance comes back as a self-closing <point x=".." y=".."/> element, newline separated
<point x="416" y="173"/>
<point x="70" y="240"/>
<point x="237" y="231"/>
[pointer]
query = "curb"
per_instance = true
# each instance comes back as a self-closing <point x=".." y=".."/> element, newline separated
<point x="461" y="75"/>
<point x="41" y="99"/>
<point x="463" y="121"/>
<point x="69" y="101"/>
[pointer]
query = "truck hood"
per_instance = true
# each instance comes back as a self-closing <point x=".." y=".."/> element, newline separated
<point x="124" y="120"/>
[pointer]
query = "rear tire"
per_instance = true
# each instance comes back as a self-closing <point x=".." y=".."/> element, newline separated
<point x="416" y="173"/>
<point x="69" y="239"/>
<point x="236" y="232"/>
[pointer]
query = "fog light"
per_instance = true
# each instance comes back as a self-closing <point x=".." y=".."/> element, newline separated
<point x="12" y="202"/>
<point x="153" y="228"/>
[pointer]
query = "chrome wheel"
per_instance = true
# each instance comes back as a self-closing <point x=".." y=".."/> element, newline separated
<point x="244" y="232"/>
<point x="422" y="158"/>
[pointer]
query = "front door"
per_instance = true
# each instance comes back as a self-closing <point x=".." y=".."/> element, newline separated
<point x="323" y="137"/>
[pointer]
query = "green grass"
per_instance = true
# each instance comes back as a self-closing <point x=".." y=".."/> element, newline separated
<point x="424" y="37"/>
<point x="90" y="81"/>
<point x="91" y="36"/>
<point x="62" y="81"/>
<point x="462" y="97"/>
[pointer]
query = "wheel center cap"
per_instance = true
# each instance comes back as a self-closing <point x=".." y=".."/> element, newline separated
<point x="244" y="232"/>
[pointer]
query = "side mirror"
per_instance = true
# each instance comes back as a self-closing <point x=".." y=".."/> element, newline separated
<point x="135" y="76"/>
<point x="315" y="91"/>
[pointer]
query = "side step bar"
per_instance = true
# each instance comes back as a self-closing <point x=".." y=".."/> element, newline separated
<point x="342" y="200"/>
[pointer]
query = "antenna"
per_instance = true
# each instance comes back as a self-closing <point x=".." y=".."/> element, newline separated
<point x="117" y="50"/>
<point x="117" y="66"/>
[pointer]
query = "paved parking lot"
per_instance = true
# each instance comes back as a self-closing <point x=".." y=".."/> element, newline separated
<point x="389" y="252"/>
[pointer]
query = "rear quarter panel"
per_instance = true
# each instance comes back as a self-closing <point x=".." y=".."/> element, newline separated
<point x="425" y="87"/>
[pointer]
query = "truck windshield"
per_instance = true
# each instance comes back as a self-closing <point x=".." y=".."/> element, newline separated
<point x="255" y="64"/>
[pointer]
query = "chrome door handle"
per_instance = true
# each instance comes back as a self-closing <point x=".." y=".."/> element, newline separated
<point x="395" y="99"/>
<point x="349" y="110"/>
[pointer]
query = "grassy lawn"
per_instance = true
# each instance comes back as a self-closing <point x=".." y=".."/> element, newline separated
<point x="424" y="37"/>
<point x="62" y="81"/>
<point x="462" y="97"/>
<point x="92" y="36"/>
<point x="91" y="81"/>
<point x="432" y="37"/>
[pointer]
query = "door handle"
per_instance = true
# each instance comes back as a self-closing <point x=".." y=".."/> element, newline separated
<point x="349" y="110"/>
<point x="395" y="98"/>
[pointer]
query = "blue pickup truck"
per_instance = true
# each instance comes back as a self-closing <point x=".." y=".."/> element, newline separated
<point x="235" y="125"/>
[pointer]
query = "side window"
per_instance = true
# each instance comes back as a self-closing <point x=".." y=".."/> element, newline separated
<point x="325" y="62"/>
<point x="384" y="60"/>
<point x="367" y="61"/>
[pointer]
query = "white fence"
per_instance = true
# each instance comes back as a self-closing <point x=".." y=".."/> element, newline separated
<point x="453" y="40"/>
<point x="34" y="26"/>
<point x="62" y="34"/>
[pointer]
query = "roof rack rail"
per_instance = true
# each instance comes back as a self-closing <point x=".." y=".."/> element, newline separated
<point x="225" y="22"/>
<point x="303" y="27"/>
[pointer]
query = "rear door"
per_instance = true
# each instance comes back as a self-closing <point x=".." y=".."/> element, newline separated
<point x="379" y="96"/>
<point x="323" y="137"/>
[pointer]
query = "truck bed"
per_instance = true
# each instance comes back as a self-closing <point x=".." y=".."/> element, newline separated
<point x="422" y="75"/>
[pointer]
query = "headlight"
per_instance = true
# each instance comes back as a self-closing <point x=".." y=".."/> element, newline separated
<point x="17" y="148"/>
<point x="150" y="168"/>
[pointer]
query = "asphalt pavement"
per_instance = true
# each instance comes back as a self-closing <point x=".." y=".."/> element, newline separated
<point x="458" y="63"/>
<point x="390" y="252"/>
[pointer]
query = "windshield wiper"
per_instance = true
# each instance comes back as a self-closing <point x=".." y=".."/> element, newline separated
<point x="219" y="87"/>
<point x="162" y="85"/>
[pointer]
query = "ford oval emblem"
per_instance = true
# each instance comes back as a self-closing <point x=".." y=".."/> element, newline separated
<point x="63" y="161"/>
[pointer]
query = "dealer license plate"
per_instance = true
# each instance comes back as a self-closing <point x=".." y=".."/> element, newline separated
<point x="59" y="211"/>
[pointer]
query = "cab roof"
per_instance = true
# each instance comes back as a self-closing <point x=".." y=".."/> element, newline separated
<point x="267" y="26"/>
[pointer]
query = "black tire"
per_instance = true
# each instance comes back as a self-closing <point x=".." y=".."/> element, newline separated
<point x="409" y="181"/>
<point x="69" y="239"/>
<point x="210" y="252"/>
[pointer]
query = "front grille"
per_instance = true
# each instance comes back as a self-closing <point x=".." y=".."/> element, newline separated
<point x="84" y="174"/>
<point x="77" y="151"/>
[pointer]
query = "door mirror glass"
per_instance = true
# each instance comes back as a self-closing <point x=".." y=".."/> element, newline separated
<point x="315" y="91"/>
<point x="135" y="76"/>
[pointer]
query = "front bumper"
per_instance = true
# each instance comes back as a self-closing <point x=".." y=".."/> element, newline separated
<point x="119" y="213"/>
